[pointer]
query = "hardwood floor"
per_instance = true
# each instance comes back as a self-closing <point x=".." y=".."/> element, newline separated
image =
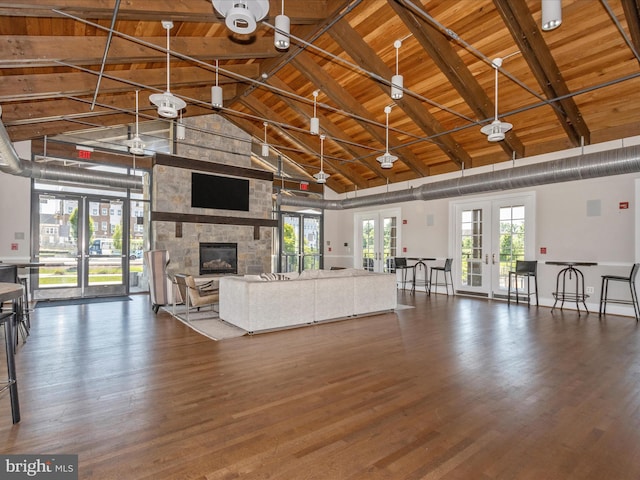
<point x="456" y="388"/>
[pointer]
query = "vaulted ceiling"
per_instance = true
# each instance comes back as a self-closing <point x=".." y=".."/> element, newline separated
<point x="68" y="65"/>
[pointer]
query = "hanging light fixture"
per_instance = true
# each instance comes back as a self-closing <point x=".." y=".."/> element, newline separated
<point x="551" y="14"/>
<point x="314" y="126"/>
<point x="397" y="81"/>
<point x="241" y="16"/>
<point x="181" y="130"/>
<point x="265" y="145"/>
<point x="386" y="160"/>
<point x="136" y="147"/>
<point x="321" y="176"/>
<point x="495" y="130"/>
<point x="168" y="104"/>
<point x="281" y="37"/>
<point x="216" y="92"/>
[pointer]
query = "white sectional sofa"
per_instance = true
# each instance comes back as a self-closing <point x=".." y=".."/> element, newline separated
<point x="255" y="305"/>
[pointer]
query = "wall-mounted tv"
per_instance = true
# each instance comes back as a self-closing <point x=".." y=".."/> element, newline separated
<point x="225" y="193"/>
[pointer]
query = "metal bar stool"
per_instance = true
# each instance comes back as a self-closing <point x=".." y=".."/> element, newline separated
<point x="400" y="264"/>
<point x="13" y="292"/>
<point x="524" y="269"/>
<point x="444" y="269"/>
<point x="631" y="281"/>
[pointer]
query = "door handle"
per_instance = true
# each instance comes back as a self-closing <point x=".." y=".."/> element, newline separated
<point x="486" y="258"/>
<point x="493" y="258"/>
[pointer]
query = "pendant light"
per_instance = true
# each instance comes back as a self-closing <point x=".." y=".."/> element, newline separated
<point x="136" y="147"/>
<point x="281" y="37"/>
<point x="216" y="92"/>
<point x="397" y="81"/>
<point x="241" y="16"/>
<point x="265" y="145"/>
<point x="168" y="104"/>
<point x="386" y="160"/>
<point x="314" y="126"/>
<point x="181" y="130"/>
<point x="321" y="176"/>
<point x="551" y="14"/>
<point x="495" y="130"/>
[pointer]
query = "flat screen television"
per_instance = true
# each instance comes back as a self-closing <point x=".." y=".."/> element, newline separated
<point x="225" y="193"/>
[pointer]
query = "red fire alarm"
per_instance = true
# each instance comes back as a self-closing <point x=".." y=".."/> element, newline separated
<point x="543" y="250"/>
<point x="623" y="205"/>
<point x="304" y="185"/>
<point x="14" y="246"/>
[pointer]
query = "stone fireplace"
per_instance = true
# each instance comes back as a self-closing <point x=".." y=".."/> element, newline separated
<point x="212" y="145"/>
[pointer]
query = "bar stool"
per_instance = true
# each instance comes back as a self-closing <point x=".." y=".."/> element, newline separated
<point x="444" y="269"/>
<point x="9" y="274"/>
<point x="420" y="281"/>
<point x="524" y="269"/>
<point x="8" y="319"/>
<point x="400" y="264"/>
<point x="631" y="281"/>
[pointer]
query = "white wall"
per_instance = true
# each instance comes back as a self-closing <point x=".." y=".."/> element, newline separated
<point x="15" y="212"/>
<point x="564" y="225"/>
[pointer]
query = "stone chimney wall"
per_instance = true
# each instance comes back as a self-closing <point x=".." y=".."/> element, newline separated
<point x="172" y="193"/>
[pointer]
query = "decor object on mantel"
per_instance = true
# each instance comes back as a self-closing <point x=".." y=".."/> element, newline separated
<point x="167" y="103"/>
<point x="256" y="305"/>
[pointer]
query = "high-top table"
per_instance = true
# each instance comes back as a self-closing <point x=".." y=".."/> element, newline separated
<point x="420" y="262"/>
<point x="578" y="295"/>
<point x="13" y="292"/>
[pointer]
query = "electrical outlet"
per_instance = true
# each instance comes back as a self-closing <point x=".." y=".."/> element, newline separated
<point x="589" y="290"/>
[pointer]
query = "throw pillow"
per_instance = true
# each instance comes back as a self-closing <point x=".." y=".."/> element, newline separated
<point x="270" y="277"/>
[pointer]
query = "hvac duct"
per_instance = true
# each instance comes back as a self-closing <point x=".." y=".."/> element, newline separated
<point x="600" y="164"/>
<point x="11" y="163"/>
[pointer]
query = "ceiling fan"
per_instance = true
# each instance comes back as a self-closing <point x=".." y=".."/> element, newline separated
<point x="136" y="147"/>
<point x="321" y="176"/>
<point x="386" y="159"/>
<point x="168" y="104"/>
<point x="495" y="130"/>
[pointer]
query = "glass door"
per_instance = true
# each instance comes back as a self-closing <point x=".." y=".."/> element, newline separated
<point x="490" y="236"/>
<point x="301" y="239"/>
<point x="378" y="240"/>
<point x="80" y="246"/>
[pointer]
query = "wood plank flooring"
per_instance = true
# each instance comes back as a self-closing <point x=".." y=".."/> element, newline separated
<point x="456" y="388"/>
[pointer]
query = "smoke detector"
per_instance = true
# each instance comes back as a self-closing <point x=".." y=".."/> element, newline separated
<point x="241" y="16"/>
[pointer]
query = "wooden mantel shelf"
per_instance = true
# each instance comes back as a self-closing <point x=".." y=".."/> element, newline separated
<point x="256" y="223"/>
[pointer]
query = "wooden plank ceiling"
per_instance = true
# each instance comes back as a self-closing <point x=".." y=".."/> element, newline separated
<point x="577" y="83"/>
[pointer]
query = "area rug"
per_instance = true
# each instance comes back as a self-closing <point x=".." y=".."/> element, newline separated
<point x="400" y="306"/>
<point x="79" y="301"/>
<point x="207" y="323"/>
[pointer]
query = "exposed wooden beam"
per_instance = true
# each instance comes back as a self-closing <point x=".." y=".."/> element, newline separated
<point x="16" y="88"/>
<point x="526" y="34"/>
<point x="306" y="112"/>
<point x="303" y="140"/>
<point x="40" y="51"/>
<point x="358" y="49"/>
<point x="345" y="101"/>
<point x="309" y="11"/>
<point x="437" y="45"/>
<point x="632" y="15"/>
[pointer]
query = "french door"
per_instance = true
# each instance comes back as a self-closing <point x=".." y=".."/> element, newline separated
<point x="300" y="241"/>
<point x="80" y="245"/>
<point x="490" y="236"/>
<point x="377" y="240"/>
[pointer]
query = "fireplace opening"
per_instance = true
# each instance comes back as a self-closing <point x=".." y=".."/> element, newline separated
<point x="218" y="258"/>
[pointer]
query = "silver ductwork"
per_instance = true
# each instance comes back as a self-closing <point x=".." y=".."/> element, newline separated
<point x="11" y="163"/>
<point x="592" y="165"/>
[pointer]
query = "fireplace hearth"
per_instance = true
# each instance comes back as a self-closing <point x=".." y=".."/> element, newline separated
<point x="218" y="258"/>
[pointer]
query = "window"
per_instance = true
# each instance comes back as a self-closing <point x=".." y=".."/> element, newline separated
<point x="112" y="212"/>
<point x="104" y="226"/>
<point x="104" y="211"/>
<point x="94" y="211"/>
